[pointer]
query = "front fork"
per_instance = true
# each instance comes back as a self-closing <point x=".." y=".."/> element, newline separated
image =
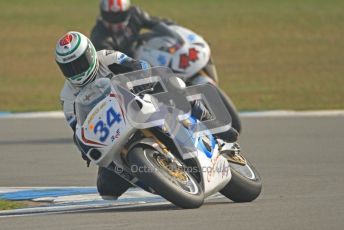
<point x="232" y="152"/>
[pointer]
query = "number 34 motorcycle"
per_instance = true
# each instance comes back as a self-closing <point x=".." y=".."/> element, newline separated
<point x="141" y="126"/>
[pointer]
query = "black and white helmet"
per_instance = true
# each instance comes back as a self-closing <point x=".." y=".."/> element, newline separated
<point x="115" y="13"/>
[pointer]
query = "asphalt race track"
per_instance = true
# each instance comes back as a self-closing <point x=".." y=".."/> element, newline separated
<point x="301" y="161"/>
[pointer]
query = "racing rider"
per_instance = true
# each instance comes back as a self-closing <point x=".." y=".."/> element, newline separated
<point x="81" y="64"/>
<point x="119" y="24"/>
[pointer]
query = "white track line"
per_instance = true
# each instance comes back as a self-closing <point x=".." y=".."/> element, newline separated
<point x="66" y="209"/>
<point x="76" y="203"/>
<point x="291" y="113"/>
<point x="134" y="198"/>
<point x="52" y="114"/>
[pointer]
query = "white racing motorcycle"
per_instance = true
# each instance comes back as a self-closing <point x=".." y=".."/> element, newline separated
<point x="187" y="54"/>
<point x="139" y="125"/>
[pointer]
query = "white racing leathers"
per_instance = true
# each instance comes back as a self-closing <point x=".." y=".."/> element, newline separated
<point x="110" y="62"/>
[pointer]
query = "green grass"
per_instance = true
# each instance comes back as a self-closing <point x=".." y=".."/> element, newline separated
<point x="7" y="205"/>
<point x="270" y="54"/>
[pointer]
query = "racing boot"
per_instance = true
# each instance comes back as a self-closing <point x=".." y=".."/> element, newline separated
<point x="110" y="186"/>
<point x="200" y="111"/>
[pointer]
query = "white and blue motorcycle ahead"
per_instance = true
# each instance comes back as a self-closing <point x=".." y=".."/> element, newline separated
<point x="140" y="125"/>
<point x="186" y="53"/>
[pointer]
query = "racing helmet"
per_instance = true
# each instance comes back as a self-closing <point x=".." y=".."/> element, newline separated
<point x="115" y="13"/>
<point x="77" y="58"/>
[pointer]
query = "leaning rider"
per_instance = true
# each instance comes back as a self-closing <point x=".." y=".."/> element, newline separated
<point x="81" y="64"/>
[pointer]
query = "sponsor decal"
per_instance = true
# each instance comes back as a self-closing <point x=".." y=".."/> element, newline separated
<point x="114" y="137"/>
<point x="95" y="113"/>
<point x="185" y="59"/>
<point x="216" y="168"/>
<point x="87" y="97"/>
<point x="118" y="133"/>
<point x="69" y="57"/>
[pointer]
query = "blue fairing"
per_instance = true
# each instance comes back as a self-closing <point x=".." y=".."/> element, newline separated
<point x="201" y="146"/>
<point x="200" y="143"/>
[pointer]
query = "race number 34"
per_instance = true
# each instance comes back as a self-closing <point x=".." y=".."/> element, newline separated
<point x="112" y="117"/>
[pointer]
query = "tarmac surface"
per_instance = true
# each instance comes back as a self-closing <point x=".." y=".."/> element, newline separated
<point x="300" y="160"/>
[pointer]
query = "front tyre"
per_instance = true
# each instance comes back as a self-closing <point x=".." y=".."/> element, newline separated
<point x="245" y="185"/>
<point x="154" y="169"/>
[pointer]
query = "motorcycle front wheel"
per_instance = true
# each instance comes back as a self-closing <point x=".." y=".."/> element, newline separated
<point x="246" y="183"/>
<point x="154" y="169"/>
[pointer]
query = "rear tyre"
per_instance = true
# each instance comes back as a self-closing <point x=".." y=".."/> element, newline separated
<point x="236" y="123"/>
<point x="176" y="186"/>
<point x="245" y="185"/>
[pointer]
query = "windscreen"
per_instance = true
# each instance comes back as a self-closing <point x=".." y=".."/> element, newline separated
<point x="90" y="96"/>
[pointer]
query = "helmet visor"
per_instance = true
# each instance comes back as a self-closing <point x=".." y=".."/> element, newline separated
<point x="115" y="17"/>
<point x="79" y="65"/>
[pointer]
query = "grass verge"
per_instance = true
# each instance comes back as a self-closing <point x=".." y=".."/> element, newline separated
<point x="8" y="205"/>
<point x="270" y="54"/>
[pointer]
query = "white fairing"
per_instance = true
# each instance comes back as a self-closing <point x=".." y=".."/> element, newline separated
<point x="186" y="60"/>
<point x="104" y="125"/>
<point x="216" y="171"/>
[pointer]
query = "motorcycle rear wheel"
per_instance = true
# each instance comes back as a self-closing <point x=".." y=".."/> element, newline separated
<point x="236" y="122"/>
<point x="186" y="193"/>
